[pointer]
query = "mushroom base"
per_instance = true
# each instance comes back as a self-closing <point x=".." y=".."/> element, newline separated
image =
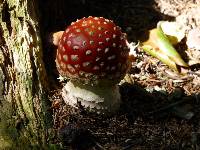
<point x="100" y="99"/>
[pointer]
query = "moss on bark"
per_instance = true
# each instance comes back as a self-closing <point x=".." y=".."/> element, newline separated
<point x="24" y="119"/>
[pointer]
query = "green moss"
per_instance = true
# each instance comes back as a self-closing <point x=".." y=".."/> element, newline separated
<point x="22" y="117"/>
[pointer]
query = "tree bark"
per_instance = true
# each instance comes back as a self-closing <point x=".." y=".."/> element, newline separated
<point x="24" y="116"/>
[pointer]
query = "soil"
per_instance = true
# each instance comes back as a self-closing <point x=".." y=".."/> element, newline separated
<point x="160" y="108"/>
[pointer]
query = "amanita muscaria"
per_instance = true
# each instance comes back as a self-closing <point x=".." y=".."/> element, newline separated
<point x="93" y="54"/>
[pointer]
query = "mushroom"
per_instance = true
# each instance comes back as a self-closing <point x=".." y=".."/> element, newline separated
<point x="93" y="54"/>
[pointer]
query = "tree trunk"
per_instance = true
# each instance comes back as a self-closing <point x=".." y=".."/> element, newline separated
<point x="24" y="118"/>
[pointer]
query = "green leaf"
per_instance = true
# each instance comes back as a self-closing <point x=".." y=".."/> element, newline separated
<point x="173" y="31"/>
<point x="159" y="46"/>
<point x="165" y="46"/>
<point x="161" y="56"/>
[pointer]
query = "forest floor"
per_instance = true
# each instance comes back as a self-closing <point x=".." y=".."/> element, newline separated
<point x="160" y="109"/>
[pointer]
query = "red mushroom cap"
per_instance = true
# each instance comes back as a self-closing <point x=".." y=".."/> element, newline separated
<point x="92" y="49"/>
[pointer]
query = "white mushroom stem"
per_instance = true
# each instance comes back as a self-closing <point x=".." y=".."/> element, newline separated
<point x="100" y="99"/>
